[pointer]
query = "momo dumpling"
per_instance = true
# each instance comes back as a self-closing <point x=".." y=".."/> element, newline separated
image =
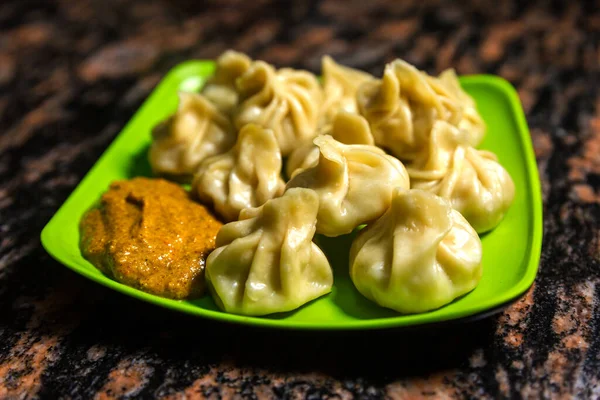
<point x="346" y="128"/>
<point x="246" y="176"/>
<point x="420" y="255"/>
<point x="442" y="97"/>
<point x="287" y="101"/>
<point x="401" y="109"/>
<point x="390" y="116"/>
<point x="196" y="131"/>
<point x="354" y="184"/>
<point x="220" y="88"/>
<point x="473" y="180"/>
<point x="340" y="85"/>
<point x="403" y="106"/>
<point x="266" y="262"/>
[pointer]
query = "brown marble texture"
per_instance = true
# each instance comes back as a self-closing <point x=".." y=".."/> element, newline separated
<point x="73" y="72"/>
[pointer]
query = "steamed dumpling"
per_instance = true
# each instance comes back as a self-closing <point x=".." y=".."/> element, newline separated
<point x="420" y="255"/>
<point x="347" y="128"/>
<point x="445" y="96"/>
<point x="196" y="131"/>
<point x="403" y="106"/>
<point x="287" y="101"/>
<point x="340" y="85"/>
<point x="246" y="176"/>
<point x="473" y="180"/>
<point x="220" y="88"/>
<point x="354" y="184"/>
<point x="390" y="116"/>
<point x="267" y="262"/>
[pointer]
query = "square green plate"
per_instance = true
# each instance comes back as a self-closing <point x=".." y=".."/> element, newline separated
<point x="510" y="253"/>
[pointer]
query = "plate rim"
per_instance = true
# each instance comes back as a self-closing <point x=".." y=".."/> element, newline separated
<point x="206" y="67"/>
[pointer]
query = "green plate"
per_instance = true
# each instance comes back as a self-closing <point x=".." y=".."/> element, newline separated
<point x="510" y="253"/>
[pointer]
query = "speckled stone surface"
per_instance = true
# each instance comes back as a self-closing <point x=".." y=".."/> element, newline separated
<point x="73" y="72"/>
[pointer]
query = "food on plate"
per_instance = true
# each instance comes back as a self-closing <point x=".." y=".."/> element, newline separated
<point x="287" y="101"/>
<point x="246" y="176"/>
<point x="346" y="128"/>
<point x="354" y="184"/>
<point x="475" y="183"/>
<point x="267" y="262"/>
<point x="403" y="106"/>
<point x="389" y="115"/>
<point x="196" y="131"/>
<point x="340" y="85"/>
<point x="420" y="249"/>
<point x="221" y="89"/>
<point x="148" y="233"/>
<point x="420" y="255"/>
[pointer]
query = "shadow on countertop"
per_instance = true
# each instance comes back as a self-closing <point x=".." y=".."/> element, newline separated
<point x="124" y="327"/>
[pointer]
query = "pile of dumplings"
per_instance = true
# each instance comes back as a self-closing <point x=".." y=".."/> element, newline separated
<point x="282" y="157"/>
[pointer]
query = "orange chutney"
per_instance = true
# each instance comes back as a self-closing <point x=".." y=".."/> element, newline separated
<point x="149" y="234"/>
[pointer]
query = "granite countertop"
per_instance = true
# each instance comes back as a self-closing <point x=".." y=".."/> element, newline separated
<point x="73" y="72"/>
